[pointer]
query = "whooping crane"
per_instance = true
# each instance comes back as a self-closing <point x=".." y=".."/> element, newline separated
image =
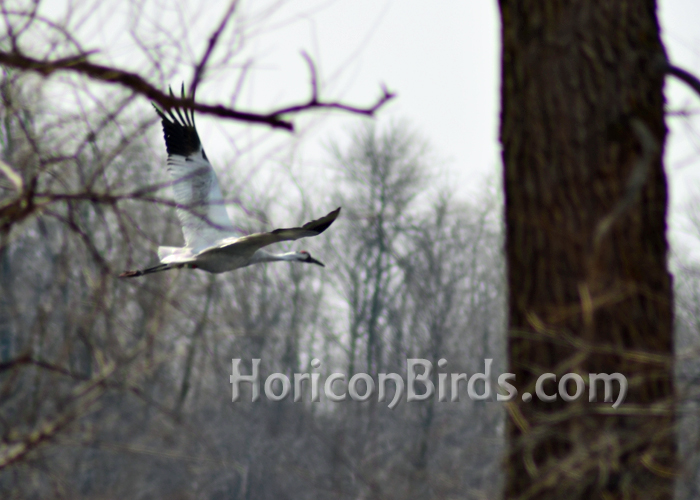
<point x="211" y="242"/>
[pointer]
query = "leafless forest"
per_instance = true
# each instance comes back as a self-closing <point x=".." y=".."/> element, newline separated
<point x="116" y="388"/>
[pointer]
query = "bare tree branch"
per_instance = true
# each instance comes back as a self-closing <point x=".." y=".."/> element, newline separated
<point x="635" y="182"/>
<point x="80" y="65"/>
<point x="199" y="70"/>
<point x="312" y="71"/>
<point x="85" y="395"/>
<point x="691" y="80"/>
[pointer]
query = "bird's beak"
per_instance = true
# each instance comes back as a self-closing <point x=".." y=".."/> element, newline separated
<point x="311" y="260"/>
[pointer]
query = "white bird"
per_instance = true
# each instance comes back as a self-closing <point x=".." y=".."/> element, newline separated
<point x="211" y="242"/>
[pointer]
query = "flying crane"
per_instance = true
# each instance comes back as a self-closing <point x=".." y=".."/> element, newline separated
<point x="212" y="243"/>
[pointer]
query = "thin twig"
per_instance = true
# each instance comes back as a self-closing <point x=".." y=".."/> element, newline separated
<point x="312" y="72"/>
<point x="691" y="80"/>
<point x="386" y="96"/>
<point x="635" y="183"/>
<point x="199" y="70"/>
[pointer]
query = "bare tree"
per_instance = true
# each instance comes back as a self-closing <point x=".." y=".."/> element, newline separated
<point x="121" y="389"/>
<point x="589" y="290"/>
<point x="91" y="366"/>
<point x="381" y="174"/>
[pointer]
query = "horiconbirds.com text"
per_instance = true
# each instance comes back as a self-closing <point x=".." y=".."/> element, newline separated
<point x="419" y="385"/>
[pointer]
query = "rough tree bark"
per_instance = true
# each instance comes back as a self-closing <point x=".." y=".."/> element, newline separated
<point x="589" y="292"/>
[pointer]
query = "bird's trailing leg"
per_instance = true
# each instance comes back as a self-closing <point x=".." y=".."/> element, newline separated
<point x="154" y="269"/>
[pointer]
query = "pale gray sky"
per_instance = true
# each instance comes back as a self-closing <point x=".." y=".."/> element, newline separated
<point x="441" y="57"/>
<point x="681" y="34"/>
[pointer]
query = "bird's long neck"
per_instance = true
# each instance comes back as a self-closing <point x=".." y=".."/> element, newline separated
<point x="263" y="256"/>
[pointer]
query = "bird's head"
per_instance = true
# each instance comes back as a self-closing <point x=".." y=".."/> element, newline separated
<point x="305" y="256"/>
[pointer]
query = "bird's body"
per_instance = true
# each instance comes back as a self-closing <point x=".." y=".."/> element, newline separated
<point x="211" y="242"/>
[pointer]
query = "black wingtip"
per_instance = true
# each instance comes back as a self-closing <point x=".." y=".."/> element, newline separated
<point x="320" y="225"/>
<point x="159" y="111"/>
<point x="179" y="131"/>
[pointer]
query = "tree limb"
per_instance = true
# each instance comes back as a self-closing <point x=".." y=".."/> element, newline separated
<point x="199" y="70"/>
<point x="691" y="80"/>
<point x="635" y="182"/>
<point x="134" y="82"/>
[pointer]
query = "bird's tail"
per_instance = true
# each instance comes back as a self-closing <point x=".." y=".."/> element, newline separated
<point x="170" y="257"/>
<point x="165" y="252"/>
<point x="154" y="269"/>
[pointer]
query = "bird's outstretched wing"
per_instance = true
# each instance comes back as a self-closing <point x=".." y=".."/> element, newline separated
<point x="249" y="244"/>
<point x="200" y="205"/>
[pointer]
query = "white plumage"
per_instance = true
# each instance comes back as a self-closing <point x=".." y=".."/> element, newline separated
<point x="211" y="241"/>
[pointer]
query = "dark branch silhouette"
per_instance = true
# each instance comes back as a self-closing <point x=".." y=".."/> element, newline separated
<point x="275" y="119"/>
<point x="691" y="80"/>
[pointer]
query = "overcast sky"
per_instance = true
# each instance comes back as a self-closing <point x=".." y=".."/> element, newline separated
<point x="441" y="57"/>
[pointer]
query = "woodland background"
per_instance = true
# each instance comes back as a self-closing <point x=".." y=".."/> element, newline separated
<point x="120" y="388"/>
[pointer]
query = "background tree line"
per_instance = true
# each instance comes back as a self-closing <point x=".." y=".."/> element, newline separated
<point x="119" y="389"/>
<point x="113" y="388"/>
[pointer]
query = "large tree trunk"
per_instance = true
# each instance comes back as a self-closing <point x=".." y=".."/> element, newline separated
<point x="583" y="134"/>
